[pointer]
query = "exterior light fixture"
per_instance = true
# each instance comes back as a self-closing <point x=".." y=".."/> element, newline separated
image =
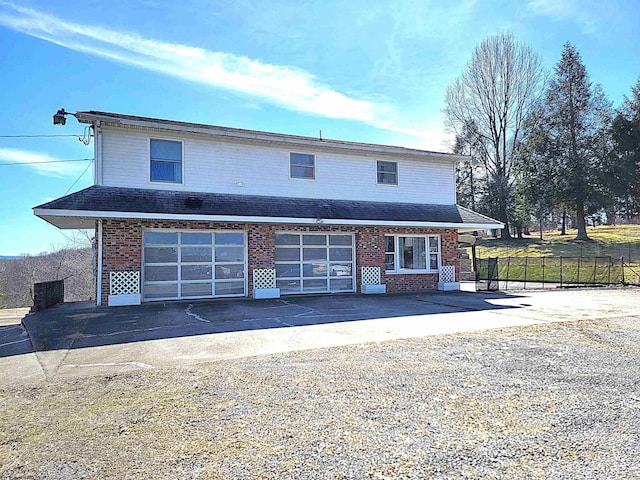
<point x="60" y="118"/>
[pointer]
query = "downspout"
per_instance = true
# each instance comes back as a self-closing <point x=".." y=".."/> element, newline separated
<point x="98" y="152"/>
<point x="99" y="280"/>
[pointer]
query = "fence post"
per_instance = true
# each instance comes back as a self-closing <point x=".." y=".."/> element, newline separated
<point x="579" y="258"/>
<point x="595" y="268"/>
<point x="542" y="272"/>
<point x="526" y="261"/>
<point x="506" y="285"/>
<point x="622" y="267"/>
<point x="560" y="271"/>
<point x="609" y="276"/>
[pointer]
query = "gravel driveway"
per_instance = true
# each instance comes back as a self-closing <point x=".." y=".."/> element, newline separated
<point x="558" y="400"/>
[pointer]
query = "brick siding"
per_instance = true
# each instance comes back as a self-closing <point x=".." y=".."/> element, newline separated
<point x="122" y="248"/>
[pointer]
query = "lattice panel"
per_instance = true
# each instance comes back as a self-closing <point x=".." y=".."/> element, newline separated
<point x="448" y="273"/>
<point x="370" y="275"/>
<point x="124" y="283"/>
<point x="264" y="278"/>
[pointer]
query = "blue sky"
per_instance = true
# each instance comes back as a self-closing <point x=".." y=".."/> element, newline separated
<point x="362" y="70"/>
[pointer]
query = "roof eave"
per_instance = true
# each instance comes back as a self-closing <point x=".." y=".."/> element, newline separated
<point x="82" y="219"/>
<point x="266" y="138"/>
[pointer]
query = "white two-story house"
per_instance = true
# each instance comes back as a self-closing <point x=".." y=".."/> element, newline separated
<point x="186" y="211"/>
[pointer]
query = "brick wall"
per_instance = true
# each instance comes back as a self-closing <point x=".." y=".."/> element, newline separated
<point x="122" y="248"/>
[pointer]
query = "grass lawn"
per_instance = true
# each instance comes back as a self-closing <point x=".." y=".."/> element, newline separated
<point x="614" y="241"/>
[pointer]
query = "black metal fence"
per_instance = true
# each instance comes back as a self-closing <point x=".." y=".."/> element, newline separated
<point x="500" y="273"/>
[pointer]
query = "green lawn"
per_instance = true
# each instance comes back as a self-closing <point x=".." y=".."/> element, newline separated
<point x="606" y="241"/>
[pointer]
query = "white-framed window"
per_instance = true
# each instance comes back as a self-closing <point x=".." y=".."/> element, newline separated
<point x="165" y="161"/>
<point x="387" y="173"/>
<point x="412" y="253"/>
<point x="302" y="166"/>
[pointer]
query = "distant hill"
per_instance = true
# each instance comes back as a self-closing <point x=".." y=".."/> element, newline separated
<point x="9" y="257"/>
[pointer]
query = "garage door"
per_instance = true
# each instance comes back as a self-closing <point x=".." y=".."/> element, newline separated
<point x="188" y="264"/>
<point x="314" y="263"/>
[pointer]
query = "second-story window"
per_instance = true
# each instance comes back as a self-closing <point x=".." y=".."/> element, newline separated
<point x="387" y="173"/>
<point x="302" y="165"/>
<point x="165" y="161"/>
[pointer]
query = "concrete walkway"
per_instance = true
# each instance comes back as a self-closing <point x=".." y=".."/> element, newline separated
<point x="80" y="339"/>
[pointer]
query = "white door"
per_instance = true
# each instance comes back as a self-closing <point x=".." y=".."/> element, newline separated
<point x="315" y="262"/>
<point x="193" y="264"/>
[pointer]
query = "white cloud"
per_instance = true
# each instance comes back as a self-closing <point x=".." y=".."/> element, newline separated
<point x="285" y="86"/>
<point x="587" y="16"/>
<point x="36" y="161"/>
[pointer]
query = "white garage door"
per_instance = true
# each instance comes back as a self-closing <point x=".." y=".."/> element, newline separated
<point x="193" y="264"/>
<point x="315" y="262"/>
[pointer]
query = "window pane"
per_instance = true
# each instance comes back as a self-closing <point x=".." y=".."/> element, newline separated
<point x="166" y="171"/>
<point x="229" y="271"/>
<point x="340" y="269"/>
<point x="287" y="254"/>
<point x="166" y="150"/>
<point x="284" y="270"/>
<point x="196" y="272"/>
<point x="314" y="254"/>
<point x="341" y="284"/>
<point x="314" y="240"/>
<point x="229" y="288"/>
<point x="161" y="291"/>
<point x="288" y="285"/>
<point x="413" y="253"/>
<point x="229" y="254"/>
<point x="196" y="254"/>
<point x="314" y="270"/>
<point x="301" y="172"/>
<point x="433" y="244"/>
<point x="229" y="238"/>
<point x="160" y="238"/>
<point x="196" y="239"/>
<point x="389" y="244"/>
<point x="340" y="239"/>
<point x="161" y="274"/>
<point x="340" y="254"/>
<point x="197" y="289"/>
<point x="287" y="239"/>
<point x="389" y="262"/>
<point x="388" y="178"/>
<point x="388" y="167"/>
<point x="314" y="285"/>
<point x="160" y="254"/>
<point x="433" y="261"/>
<point x="302" y="159"/>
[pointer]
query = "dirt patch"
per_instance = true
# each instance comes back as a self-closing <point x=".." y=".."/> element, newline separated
<point x="550" y="401"/>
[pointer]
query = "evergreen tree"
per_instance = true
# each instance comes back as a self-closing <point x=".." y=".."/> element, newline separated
<point x="623" y="169"/>
<point x="573" y="127"/>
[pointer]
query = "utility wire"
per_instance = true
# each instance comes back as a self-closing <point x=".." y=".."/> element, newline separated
<point x="40" y="136"/>
<point x="47" y="161"/>
<point x="78" y="179"/>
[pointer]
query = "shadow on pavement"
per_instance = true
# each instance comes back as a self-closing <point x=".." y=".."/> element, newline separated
<point x="83" y="325"/>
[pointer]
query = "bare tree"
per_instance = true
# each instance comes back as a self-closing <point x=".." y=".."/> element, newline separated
<point x="490" y="101"/>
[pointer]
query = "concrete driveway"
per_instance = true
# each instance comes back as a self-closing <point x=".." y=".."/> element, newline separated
<point x="78" y="339"/>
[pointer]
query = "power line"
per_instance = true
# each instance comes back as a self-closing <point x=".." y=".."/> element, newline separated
<point x="78" y="179"/>
<point x="47" y="161"/>
<point x="40" y="136"/>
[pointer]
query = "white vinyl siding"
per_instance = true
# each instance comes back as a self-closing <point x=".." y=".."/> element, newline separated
<point x="224" y="167"/>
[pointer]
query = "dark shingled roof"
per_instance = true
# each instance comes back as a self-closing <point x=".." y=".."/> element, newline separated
<point x="136" y="200"/>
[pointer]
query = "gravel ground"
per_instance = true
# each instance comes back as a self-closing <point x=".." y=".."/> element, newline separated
<point x="550" y="401"/>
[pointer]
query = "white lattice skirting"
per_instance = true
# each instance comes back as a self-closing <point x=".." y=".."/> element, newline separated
<point x="124" y="288"/>
<point x="447" y="280"/>
<point x="371" y="281"/>
<point x="264" y="283"/>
